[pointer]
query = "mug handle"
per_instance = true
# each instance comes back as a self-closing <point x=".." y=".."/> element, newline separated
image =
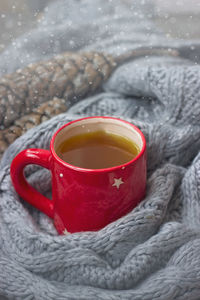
<point x="23" y="188"/>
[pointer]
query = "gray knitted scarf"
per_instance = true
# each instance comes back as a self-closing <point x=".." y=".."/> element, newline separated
<point x="154" y="251"/>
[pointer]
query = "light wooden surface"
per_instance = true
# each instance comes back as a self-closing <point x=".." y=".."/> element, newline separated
<point x="178" y="18"/>
<point x="18" y="16"/>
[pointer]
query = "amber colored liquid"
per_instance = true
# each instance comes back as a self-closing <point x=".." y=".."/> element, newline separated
<point x="97" y="150"/>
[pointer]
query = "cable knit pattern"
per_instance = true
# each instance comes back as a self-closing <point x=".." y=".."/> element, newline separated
<point x="151" y="253"/>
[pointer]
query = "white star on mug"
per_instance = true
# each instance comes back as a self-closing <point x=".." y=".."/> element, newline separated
<point x="65" y="232"/>
<point x="118" y="182"/>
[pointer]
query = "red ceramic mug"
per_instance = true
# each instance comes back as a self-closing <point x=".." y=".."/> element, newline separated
<point x="85" y="199"/>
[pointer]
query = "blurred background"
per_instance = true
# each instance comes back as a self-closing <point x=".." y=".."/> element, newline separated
<point x="177" y="18"/>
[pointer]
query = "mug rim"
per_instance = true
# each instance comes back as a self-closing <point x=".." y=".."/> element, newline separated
<point x="110" y="169"/>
